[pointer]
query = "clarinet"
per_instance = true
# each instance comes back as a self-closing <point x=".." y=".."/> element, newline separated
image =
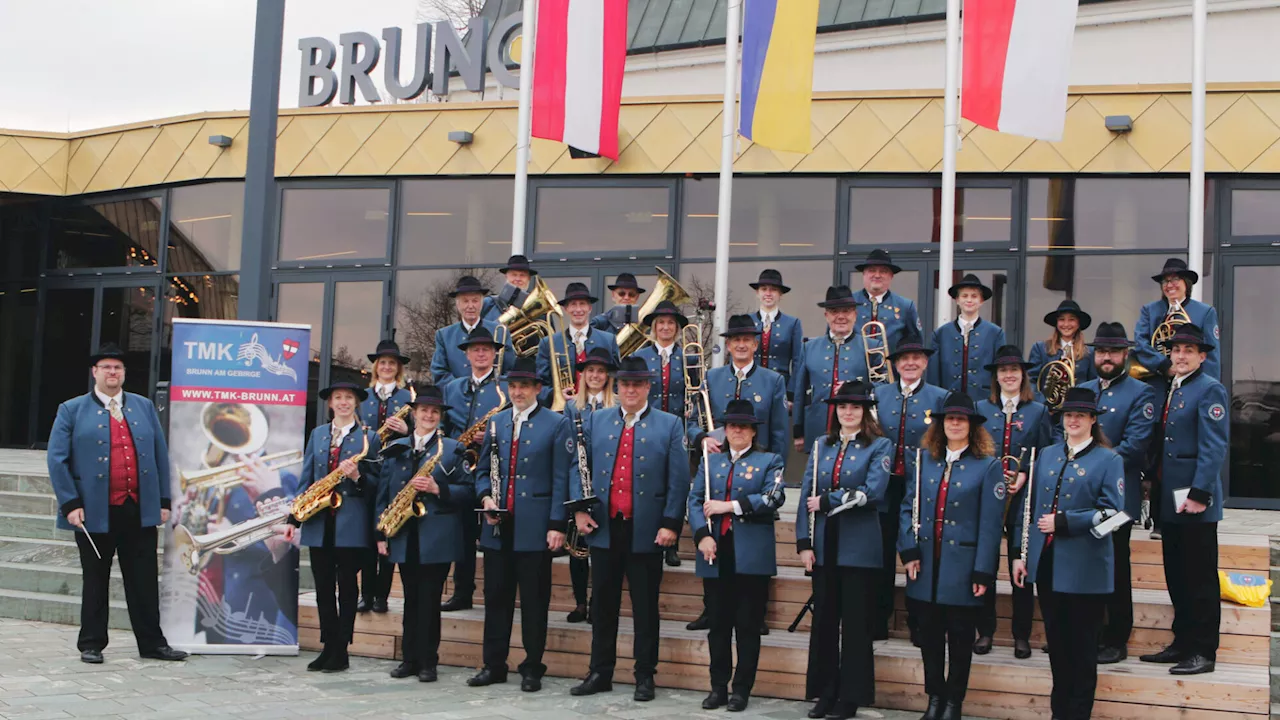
<point x="495" y="479"/>
<point x="1026" y="507"/>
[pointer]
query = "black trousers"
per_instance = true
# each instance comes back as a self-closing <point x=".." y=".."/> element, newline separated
<point x="136" y="546"/>
<point x="841" y="659"/>
<point x="580" y="575"/>
<point x="1191" y="573"/>
<point x="375" y="576"/>
<point x="889" y="551"/>
<point x="1071" y="625"/>
<point x="464" y="572"/>
<point x="736" y="604"/>
<point x="422" y="585"/>
<point x="643" y="572"/>
<point x="337" y="592"/>
<point x="1119" y="604"/>
<point x="946" y="629"/>
<point x="1024" y="598"/>
<point x="507" y="572"/>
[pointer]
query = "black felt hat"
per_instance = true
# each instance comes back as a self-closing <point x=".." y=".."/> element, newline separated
<point x="429" y="396"/>
<point x="633" y="368"/>
<point x="525" y="368"/>
<point x="361" y="393"/>
<point x="1110" y="335"/>
<point x="1177" y="266"/>
<point x="598" y="356"/>
<point x="911" y="343"/>
<point x="740" y="325"/>
<point x="854" y="392"/>
<point x="468" y="284"/>
<point x="626" y="281"/>
<point x="1189" y="334"/>
<point x="838" y="296"/>
<point x="961" y="404"/>
<point x="389" y="348"/>
<point x="479" y="335"/>
<point x="878" y="257"/>
<point x="578" y="291"/>
<point x="770" y="277"/>
<point x="739" y="412"/>
<point x="1069" y="306"/>
<point x="1008" y="355"/>
<point x="106" y="351"/>
<point x="970" y="281"/>
<point x="518" y="262"/>
<point x="666" y="308"/>
<point x="1079" y="399"/>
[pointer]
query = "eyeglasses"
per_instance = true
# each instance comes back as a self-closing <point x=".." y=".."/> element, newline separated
<point x="111" y="368"/>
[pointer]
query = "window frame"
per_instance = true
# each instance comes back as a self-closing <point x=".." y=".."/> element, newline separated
<point x="162" y="258"/>
<point x="667" y="254"/>
<point x="1226" y="211"/>
<point x="839" y="207"/>
<point x="1017" y="186"/>
<point x="393" y="222"/>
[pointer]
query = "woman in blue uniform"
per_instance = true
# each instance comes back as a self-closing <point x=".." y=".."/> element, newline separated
<point x="1075" y="485"/>
<point x="1017" y="423"/>
<point x="338" y="537"/>
<point x="733" y="528"/>
<point x="950" y="545"/>
<point x="838" y="538"/>
<point x="597" y="394"/>
<point x="1067" y="339"/>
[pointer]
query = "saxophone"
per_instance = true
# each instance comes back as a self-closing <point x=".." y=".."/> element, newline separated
<point x="323" y="492"/>
<point x="384" y="432"/>
<point x="587" y="500"/>
<point x="470" y="438"/>
<point x="406" y="504"/>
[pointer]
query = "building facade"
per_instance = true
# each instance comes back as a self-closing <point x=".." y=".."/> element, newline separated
<point x="108" y="235"/>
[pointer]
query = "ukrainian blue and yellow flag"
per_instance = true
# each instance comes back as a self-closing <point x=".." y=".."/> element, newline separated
<point x="777" y="73"/>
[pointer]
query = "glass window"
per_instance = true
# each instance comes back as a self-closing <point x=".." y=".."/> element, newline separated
<point x="357" y="328"/>
<point x="19" y="237"/>
<point x="324" y="226"/>
<point x="771" y="216"/>
<point x="1106" y="213"/>
<point x="1255" y="213"/>
<point x="125" y="233"/>
<point x="67" y="339"/>
<point x="127" y="318"/>
<point x="205" y="222"/>
<point x="909" y="215"/>
<point x="1255" y="385"/>
<point x="454" y="222"/>
<point x="206" y="297"/>
<point x="303" y="303"/>
<point x="602" y="219"/>
<point x="18" y="304"/>
<point x="423" y="306"/>
<point x="808" y="280"/>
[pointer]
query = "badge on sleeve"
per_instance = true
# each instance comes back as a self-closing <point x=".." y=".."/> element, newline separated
<point x="1217" y="412"/>
<point x="884" y="463"/>
<point x="1216" y="335"/>
<point x="1000" y="491"/>
<point x="568" y="445"/>
<point x="1148" y="411"/>
<point x="1120" y="486"/>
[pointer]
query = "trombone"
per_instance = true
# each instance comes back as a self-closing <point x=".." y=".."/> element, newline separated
<point x="697" y="399"/>
<point x="875" y="346"/>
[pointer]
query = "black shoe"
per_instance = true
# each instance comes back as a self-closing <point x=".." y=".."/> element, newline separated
<point x="164" y="652"/>
<point x="1022" y="649"/>
<point x="644" y="689"/>
<point x="1111" y="655"/>
<point x="934" y="711"/>
<point x="737" y="703"/>
<point x="404" y="670"/>
<point x="764" y="628"/>
<point x="842" y="711"/>
<point x="982" y="645"/>
<point x="1192" y="665"/>
<point x="338" y="662"/>
<point x="915" y="637"/>
<point x="592" y="684"/>
<point x="456" y="603"/>
<point x="365" y="605"/>
<point x="530" y="683"/>
<point x="1044" y="648"/>
<point x="820" y="708"/>
<point x="380" y="606"/>
<point x="427" y="674"/>
<point x="672" y="558"/>
<point x="93" y="657"/>
<point x="702" y="623"/>
<point x="1166" y="656"/>
<point x="718" y="698"/>
<point x="578" y="615"/>
<point x="488" y="677"/>
<point x="322" y="659"/>
<point x="950" y="712"/>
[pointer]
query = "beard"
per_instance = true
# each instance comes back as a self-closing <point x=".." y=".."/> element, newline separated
<point x="1116" y="371"/>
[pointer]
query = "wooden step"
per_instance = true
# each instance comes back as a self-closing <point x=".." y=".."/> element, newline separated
<point x="999" y="686"/>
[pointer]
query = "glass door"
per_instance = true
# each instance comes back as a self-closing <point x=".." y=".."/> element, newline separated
<point x="1251" y="373"/>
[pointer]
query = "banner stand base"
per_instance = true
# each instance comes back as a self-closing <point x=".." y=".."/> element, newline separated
<point x="205" y="649"/>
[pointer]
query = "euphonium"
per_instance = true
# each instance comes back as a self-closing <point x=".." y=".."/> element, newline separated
<point x="632" y="337"/>
<point x="196" y="550"/>
<point x="406" y="504"/>
<point x="323" y="493"/>
<point x="1057" y="377"/>
<point x="1175" y="318"/>
<point x="527" y="323"/>
<point x="385" y="432"/>
<point x="875" y="346"/>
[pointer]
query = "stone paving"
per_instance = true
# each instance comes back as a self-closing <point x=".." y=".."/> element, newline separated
<point x="41" y="676"/>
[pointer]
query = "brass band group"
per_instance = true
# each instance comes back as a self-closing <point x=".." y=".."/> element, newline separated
<point x="546" y="431"/>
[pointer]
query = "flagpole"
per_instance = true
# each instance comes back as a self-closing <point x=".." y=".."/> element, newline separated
<point x="728" y="138"/>
<point x="1195" y="244"/>
<point x="950" y="141"/>
<point x="520" y="205"/>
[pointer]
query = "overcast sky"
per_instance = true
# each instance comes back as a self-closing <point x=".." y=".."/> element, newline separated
<point x="83" y="64"/>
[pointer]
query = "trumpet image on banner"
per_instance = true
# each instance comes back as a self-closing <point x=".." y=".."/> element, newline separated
<point x="236" y="430"/>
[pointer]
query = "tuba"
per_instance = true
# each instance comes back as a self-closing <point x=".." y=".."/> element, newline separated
<point x="1175" y="318"/>
<point x="1057" y="377"/>
<point x="528" y="323"/>
<point x="633" y="336"/>
<point x="196" y="550"/>
<point x="406" y="504"/>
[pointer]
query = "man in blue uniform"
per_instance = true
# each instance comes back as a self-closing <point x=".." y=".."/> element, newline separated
<point x="967" y="344"/>
<point x="522" y="480"/>
<point x="833" y="358"/>
<point x="625" y="292"/>
<point x="742" y="379"/>
<point x="640" y="472"/>
<point x="109" y="466"/>
<point x="449" y="362"/>
<point x="906" y="408"/>
<point x="580" y="336"/>
<point x="877" y="302"/>
<point x="1126" y="411"/>
<point x="469" y="399"/>
<point x="781" y="336"/>
<point x="1194" y="429"/>
<point x="519" y="274"/>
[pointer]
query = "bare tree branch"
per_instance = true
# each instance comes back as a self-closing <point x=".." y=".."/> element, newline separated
<point x="419" y="317"/>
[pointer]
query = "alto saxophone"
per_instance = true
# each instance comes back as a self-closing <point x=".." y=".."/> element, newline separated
<point x="385" y="432"/>
<point x="471" y="437"/>
<point x="588" y="499"/>
<point x="323" y="493"/>
<point x="406" y="504"/>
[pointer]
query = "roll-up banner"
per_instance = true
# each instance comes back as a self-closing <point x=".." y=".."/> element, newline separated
<point x="237" y="417"/>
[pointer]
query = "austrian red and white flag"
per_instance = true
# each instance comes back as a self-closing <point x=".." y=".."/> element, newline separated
<point x="581" y="50"/>
<point x="1017" y="56"/>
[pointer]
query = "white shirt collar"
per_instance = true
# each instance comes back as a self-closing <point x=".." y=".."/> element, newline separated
<point x="595" y="400"/>
<point x="519" y="416"/>
<point x="736" y="455"/>
<point x="1007" y="400"/>
<point x="638" y="413"/>
<point x="954" y="455"/>
<point x="106" y="399"/>
<point x="1077" y="449"/>
<point x="967" y="324"/>
<point x="742" y="372"/>
<point x="478" y="380"/>
<point x="664" y="352"/>
<point x="344" y="431"/>
<point x="576" y="332"/>
<point x="849" y="438"/>
<point x="390" y="388"/>
<point x="1179" y="379"/>
<point x="908" y="389"/>
<point x="469" y="327"/>
<point x="840" y="341"/>
<point x="421" y="441"/>
<point x="877" y="299"/>
<point x="768" y="316"/>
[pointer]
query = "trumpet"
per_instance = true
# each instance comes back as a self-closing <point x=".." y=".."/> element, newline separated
<point x="875" y="347"/>
<point x="1175" y="318"/>
<point x="385" y="432"/>
<point x="228" y="476"/>
<point x="406" y="504"/>
<point x="697" y="399"/>
<point x="1057" y="377"/>
<point x="196" y="550"/>
<point x="527" y="323"/>
<point x="632" y="337"/>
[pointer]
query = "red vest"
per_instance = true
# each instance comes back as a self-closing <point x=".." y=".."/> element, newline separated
<point x="511" y="474"/>
<point x="726" y="520"/>
<point x="124" y="464"/>
<point x="940" y="516"/>
<point x="620" y="501"/>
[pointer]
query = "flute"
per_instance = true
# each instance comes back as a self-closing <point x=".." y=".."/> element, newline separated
<point x="915" y="502"/>
<point x="1026" y="507"/>
<point x="813" y="492"/>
